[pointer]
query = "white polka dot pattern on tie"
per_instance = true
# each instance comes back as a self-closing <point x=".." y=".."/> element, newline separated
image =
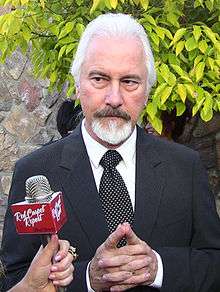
<point x="116" y="202"/>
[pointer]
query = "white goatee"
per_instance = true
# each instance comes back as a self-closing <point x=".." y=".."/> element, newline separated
<point x="112" y="133"/>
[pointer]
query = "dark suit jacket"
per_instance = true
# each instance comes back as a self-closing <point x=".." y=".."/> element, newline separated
<point x="174" y="212"/>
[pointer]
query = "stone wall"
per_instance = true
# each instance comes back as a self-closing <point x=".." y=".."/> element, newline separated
<point x="27" y="120"/>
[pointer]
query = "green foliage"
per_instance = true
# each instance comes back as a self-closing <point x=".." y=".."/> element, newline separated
<point x="184" y="35"/>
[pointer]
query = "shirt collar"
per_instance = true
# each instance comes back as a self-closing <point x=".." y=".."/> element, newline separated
<point x="95" y="150"/>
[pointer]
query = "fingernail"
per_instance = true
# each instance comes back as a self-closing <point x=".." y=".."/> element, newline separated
<point x="57" y="258"/>
<point x="54" y="269"/>
<point x="51" y="276"/>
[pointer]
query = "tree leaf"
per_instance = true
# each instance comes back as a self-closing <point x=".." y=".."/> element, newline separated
<point x="159" y="89"/>
<point x="113" y="3"/>
<point x="207" y="111"/>
<point x="181" y="90"/>
<point x="80" y="28"/>
<point x="54" y="29"/>
<point x="198" y="3"/>
<point x="203" y="46"/>
<point x="165" y="94"/>
<point x="217" y="46"/>
<point x="69" y="48"/>
<point x="66" y="30"/>
<point x="210" y="34"/>
<point x="180" y="108"/>
<point x="218" y="104"/>
<point x="199" y="71"/>
<point x="95" y="5"/>
<point x="173" y="19"/>
<point x="167" y="75"/>
<point x="61" y="52"/>
<point x="144" y="4"/>
<point x="197" y="32"/>
<point x="191" y="90"/>
<point x="150" y="19"/>
<point x="53" y="77"/>
<point x="180" y="71"/>
<point x="151" y="109"/>
<point x="190" y="44"/>
<point x="155" y="38"/>
<point x="42" y="3"/>
<point x="179" y="47"/>
<point x="168" y="33"/>
<point x="160" y="32"/>
<point x="178" y="35"/>
<point x="156" y="124"/>
<point x="3" y="45"/>
<point x="197" y="106"/>
<point x="197" y="60"/>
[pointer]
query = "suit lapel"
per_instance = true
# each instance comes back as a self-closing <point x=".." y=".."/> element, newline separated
<point x="150" y="178"/>
<point x="80" y="189"/>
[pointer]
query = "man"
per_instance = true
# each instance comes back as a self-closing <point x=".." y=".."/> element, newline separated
<point x="43" y="276"/>
<point x="139" y="209"/>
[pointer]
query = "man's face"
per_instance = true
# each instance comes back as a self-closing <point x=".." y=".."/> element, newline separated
<point x="112" y="88"/>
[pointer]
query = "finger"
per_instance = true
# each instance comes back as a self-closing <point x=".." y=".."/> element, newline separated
<point x="131" y="237"/>
<point x="117" y="288"/>
<point x="56" y="276"/>
<point x="137" y="264"/>
<point x="64" y="282"/>
<point x="136" y="249"/>
<point x="63" y="250"/>
<point x="114" y="237"/>
<point x="138" y="279"/>
<point x="114" y="261"/>
<point x="63" y="264"/>
<point x="116" y="276"/>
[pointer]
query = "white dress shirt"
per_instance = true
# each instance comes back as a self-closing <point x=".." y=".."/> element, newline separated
<point x="126" y="168"/>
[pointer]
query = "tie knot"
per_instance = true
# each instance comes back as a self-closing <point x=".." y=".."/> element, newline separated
<point x="110" y="159"/>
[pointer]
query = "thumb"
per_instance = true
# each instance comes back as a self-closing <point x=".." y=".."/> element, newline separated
<point x="115" y="237"/>
<point x="131" y="237"/>
<point x="45" y="255"/>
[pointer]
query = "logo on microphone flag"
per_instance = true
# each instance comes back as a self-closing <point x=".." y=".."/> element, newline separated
<point x="40" y="218"/>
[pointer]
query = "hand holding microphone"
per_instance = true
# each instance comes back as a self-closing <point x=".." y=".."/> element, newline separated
<point x="43" y="213"/>
<point x="41" y="276"/>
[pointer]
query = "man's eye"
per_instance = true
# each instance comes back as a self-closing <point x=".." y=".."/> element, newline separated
<point x="130" y="84"/>
<point x="98" y="79"/>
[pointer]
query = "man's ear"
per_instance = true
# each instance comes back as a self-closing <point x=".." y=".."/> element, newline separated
<point x="146" y="100"/>
<point x="77" y="92"/>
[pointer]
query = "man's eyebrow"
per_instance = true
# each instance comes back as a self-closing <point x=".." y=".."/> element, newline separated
<point x="132" y="76"/>
<point x="97" y="72"/>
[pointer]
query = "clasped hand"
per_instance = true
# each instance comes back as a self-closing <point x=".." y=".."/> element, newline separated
<point x="119" y="269"/>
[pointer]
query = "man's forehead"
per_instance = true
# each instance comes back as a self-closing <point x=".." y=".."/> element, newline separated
<point x="97" y="43"/>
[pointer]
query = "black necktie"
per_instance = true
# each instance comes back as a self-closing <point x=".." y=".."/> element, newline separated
<point x="116" y="202"/>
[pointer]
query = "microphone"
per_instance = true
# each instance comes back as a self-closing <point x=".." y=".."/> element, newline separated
<point x="42" y="212"/>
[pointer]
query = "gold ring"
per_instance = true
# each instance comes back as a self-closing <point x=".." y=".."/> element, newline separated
<point x="72" y="251"/>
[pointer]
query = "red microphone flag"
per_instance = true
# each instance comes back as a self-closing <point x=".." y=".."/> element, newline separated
<point x="40" y="218"/>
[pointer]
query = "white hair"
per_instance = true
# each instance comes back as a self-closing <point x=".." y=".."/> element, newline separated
<point x="113" y="25"/>
<point x="112" y="134"/>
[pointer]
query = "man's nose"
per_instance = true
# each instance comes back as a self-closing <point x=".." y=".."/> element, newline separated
<point x="114" y="95"/>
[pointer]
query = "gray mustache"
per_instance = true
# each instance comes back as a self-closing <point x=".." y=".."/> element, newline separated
<point x="112" y="112"/>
